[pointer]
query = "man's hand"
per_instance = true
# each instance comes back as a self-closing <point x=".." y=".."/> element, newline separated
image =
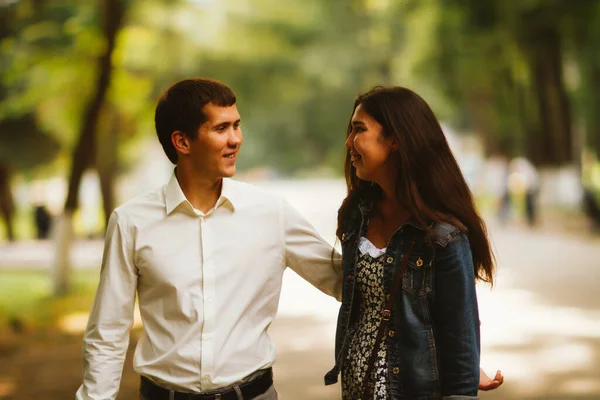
<point x="486" y="383"/>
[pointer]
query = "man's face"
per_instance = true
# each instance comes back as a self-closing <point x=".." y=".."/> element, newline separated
<point x="215" y="149"/>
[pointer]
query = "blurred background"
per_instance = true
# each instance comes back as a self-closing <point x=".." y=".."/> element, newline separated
<point x="516" y="86"/>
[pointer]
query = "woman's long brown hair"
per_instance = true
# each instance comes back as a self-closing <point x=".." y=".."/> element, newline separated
<point x="430" y="183"/>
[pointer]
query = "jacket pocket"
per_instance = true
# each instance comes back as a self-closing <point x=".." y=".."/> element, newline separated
<point x="417" y="278"/>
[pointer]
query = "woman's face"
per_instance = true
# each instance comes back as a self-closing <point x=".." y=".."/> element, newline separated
<point x="369" y="149"/>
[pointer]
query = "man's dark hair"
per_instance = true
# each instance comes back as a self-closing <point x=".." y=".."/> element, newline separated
<point x="180" y="108"/>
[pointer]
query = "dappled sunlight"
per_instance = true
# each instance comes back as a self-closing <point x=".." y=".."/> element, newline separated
<point x="564" y="356"/>
<point x="546" y="343"/>
<point x="539" y="346"/>
<point x="75" y="323"/>
<point x="513" y="84"/>
<point x="540" y="326"/>
<point x="581" y="386"/>
<point x="7" y="387"/>
<point x="516" y="317"/>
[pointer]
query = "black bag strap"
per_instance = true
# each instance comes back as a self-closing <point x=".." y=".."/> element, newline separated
<point x="385" y="317"/>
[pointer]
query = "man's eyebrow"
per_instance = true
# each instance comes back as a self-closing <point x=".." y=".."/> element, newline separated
<point x="222" y="124"/>
<point x="227" y="123"/>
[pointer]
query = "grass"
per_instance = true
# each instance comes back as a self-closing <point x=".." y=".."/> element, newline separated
<point x="26" y="300"/>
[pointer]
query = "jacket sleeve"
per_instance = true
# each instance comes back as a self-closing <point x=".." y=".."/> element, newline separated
<point x="457" y="319"/>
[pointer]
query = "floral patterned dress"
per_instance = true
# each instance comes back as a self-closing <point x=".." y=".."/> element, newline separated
<point x="363" y="333"/>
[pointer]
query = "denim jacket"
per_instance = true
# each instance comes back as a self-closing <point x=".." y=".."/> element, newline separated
<point x="433" y="334"/>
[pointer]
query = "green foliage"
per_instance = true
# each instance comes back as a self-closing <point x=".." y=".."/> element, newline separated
<point x="23" y="145"/>
<point x="26" y="296"/>
<point x="296" y="67"/>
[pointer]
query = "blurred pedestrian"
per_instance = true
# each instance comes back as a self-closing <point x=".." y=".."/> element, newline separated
<point x="505" y="203"/>
<point x="591" y="208"/>
<point x="43" y="221"/>
<point x="206" y="256"/>
<point x="413" y="246"/>
<point x="7" y="205"/>
<point x="591" y="205"/>
<point x="527" y="176"/>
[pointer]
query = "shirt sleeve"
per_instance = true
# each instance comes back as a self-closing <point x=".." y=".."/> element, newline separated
<point x="309" y="255"/>
<point x="107" y="334"/>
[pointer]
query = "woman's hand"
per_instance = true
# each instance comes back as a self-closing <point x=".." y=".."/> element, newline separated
<point x="486" y="383"/>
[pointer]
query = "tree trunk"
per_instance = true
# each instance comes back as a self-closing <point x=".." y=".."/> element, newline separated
<point x="6" y="201"/>
<point x="556" y="141"/>
<point x="107" y="161"/>
<point x="479" y="104"/>
<point x="593" y="117"/>
<point x="107" y="177"/>
<point x="532" y="135"/>
<point x="551" y="146"/>
<point x="83" y="154"/>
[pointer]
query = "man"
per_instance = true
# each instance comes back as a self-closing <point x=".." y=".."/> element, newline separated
<point x="206" y="256"/>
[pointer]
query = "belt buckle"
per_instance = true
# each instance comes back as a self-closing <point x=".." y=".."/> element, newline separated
<point x="217" y="396"/>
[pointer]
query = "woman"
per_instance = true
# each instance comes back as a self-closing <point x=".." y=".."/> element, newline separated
<point x="413" y="246"/>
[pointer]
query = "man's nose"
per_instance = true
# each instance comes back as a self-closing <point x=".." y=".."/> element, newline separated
<point x="235" y="137"/>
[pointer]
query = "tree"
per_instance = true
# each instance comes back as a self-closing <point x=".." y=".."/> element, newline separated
<point x="84" y="152"/>
<point x="24" y="145"/>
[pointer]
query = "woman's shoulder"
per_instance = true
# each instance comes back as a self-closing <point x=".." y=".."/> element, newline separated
<point x="350" y="217"/>
<point x="443" y="233"/>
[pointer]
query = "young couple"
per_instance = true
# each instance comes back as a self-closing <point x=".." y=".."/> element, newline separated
<point x="206" y="255"/>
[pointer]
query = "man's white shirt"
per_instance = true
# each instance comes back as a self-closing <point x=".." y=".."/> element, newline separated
<point x="208" y="287"/>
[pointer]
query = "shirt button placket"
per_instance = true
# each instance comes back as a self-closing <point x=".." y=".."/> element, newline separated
<point x="208" y="312"/>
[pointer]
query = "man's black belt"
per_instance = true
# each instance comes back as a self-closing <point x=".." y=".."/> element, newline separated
<point x="249" y="390"/>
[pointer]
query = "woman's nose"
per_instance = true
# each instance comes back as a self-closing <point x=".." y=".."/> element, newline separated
<point x="349" y="141"/>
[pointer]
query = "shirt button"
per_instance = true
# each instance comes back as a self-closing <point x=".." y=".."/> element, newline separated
<point x="389" y="260"/>
<point x="350" y="277"/>
<point x="391" y="333"/>
<point x="395" y="370"/>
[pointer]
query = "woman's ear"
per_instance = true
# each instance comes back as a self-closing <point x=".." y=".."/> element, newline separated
<point x="181" y="142"/>
<point x="394" y="144"/>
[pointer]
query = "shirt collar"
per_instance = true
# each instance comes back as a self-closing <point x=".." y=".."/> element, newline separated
<point x="228" y="193"/>
<point x="174" y="196"/>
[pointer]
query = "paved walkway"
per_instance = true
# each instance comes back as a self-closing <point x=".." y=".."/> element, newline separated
<point x="540" y="323"/>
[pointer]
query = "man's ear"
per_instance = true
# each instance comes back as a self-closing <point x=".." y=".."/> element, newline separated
<point x="181" y="142"/>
